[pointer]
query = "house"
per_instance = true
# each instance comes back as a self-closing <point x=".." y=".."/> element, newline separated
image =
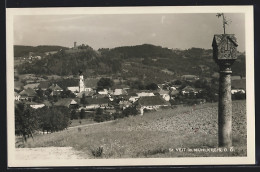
<point x="124" y="104"/>
<point x="55" y="89"/>
<point x="27" y="94"/>
<point x="120" y="91"/>
<point x="44" y="85"/>
<point x="33" y="86"/>
<point x="133" y="97"/>
<point x="145" y="94"/>
<point x="103" y="92"/>
<point x="16" y="96"/>
<point x="189" y="77"/>
<point x="189" y="90"/>
<point x="90" y="84"/>
<point x="94" y="103"/>
<point x="165" y="95"/>
<point x="151" y="103"/>
<point x="73" y="89"/>
<point x="35" y="105"/>
<point x="233" y="91"/>
<point x="86" y="93"/>
<point x="67" y="102"/>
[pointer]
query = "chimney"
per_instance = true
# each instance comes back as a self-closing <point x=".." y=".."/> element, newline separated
<point x="75" y="44"/>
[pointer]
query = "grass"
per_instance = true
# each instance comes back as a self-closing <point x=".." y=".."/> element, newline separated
<point x="155" y="134"/>
<point x="76" y="122"/>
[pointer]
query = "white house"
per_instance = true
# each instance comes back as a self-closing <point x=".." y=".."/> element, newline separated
<point x="145" y="94"/>
<point x="233" y="91"/>
<point x="16" y="96"/>
<point x="103" y="92"/>
<point x="73" y="89"/>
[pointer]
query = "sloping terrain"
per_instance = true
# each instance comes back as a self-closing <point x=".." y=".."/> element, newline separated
<point x="155" y="134"/>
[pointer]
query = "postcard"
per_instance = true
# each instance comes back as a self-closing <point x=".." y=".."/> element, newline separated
<point x="130" y="86"/>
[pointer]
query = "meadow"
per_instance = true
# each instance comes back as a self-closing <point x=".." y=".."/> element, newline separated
<point x="153" y="135"/>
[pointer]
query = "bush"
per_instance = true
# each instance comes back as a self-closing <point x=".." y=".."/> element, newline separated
<point x="97" y="152"/>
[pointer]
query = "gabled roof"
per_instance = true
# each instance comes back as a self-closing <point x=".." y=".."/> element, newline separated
<point x="55" y="87"/>
<point x="44" y="84"/>
<point x="28" y="92"/>
<point x="188" y="88"/>
<point x="119" y="92"/>
<point x="152" y="101"/>
<point x="144" y="94"/>
<point x="91" y="101"/>
<point x="90" y="82"/>
<point x="16" y="94"/>
<point x="35" y="85"/>
<point x="65" y="102"/>
<point x="217" y="39"/>
<point x="87" y="93"/>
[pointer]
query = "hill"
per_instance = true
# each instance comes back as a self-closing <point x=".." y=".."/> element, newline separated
<point x="155" y="134"/>
<point x="145" y="62"/>
<point x="21" y="50"/>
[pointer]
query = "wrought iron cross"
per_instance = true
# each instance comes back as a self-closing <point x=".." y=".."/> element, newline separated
<point x="225" y="21"/>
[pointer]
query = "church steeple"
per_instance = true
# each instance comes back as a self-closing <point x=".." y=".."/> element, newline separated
<point x="81" y="82"/>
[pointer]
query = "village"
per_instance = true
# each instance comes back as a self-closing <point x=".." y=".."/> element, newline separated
<point x="86" y="95"/>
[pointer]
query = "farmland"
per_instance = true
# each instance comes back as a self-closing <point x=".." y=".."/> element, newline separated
<point x="155" y="134"/>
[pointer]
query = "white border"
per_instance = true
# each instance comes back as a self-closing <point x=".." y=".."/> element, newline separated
<point x="247" y="10"/>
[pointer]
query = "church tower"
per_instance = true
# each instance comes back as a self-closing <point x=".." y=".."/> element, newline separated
<point x="81" y="82"/>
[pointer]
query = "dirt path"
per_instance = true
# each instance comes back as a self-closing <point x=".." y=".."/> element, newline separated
<point x="86" y="125"/>
<point x="47" y="153"/>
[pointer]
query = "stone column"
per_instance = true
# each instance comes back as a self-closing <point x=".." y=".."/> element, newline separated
<point x="225" y="54"/>
<point x="225" y="107"/>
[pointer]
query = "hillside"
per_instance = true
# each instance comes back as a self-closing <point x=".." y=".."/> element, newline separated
<point x="155" y="134"/>
<point x="21" y="50"/>
<point x="146" y="62"/>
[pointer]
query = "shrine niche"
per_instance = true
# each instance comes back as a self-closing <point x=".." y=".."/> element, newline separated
<point x="224" y="47"/>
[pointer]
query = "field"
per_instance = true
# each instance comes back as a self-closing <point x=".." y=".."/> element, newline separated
<point x="155" y="134"/>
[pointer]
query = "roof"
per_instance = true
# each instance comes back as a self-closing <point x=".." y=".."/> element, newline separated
<point x="35" y="85"/>
<point x="188" y="88"/>
<point x="97" y="101"/>
<point x="163" y="92"/>
<point x="87" y="93"/>
<point x="119" y="92"/>
<point x="90" y="82"/>
<point x="239" y="84"/>
<point x="144" y="94"/>
<point x="16" y="94"/>
<point x="218" y="39"/>
<point x="152" y="101"/>
<point x="28" y="92"/>
<point x="65" y="102"/>
<point x="44" y="84"/>
<point x="55" y="87"/>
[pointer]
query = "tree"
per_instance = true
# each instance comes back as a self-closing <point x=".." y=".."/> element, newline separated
<point x="104" y="83"/>
<point x="99" y="115"/>
<point x="82" y="114"/>
<point x="54" y="118"/>
<point x="26" y="121"/>
<point x="83" y="99"/>
<point x="130" y="111"/>
<point x="73" y="114"/>
<point x="151" y="86"/>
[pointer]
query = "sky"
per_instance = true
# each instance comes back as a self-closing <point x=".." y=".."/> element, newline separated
<point x="181" y="31"/>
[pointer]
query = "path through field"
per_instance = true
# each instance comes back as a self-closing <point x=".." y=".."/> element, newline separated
<point x="47" y="153"/>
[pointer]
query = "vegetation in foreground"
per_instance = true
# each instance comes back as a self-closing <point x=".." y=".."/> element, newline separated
<point x="156" y="134"/>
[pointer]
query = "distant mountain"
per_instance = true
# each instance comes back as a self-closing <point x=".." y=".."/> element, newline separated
<point x="22" y="50"/>
<point x="145" y="62"/>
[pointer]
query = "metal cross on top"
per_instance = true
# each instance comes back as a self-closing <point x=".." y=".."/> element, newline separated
<point x="225" y="21"/>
